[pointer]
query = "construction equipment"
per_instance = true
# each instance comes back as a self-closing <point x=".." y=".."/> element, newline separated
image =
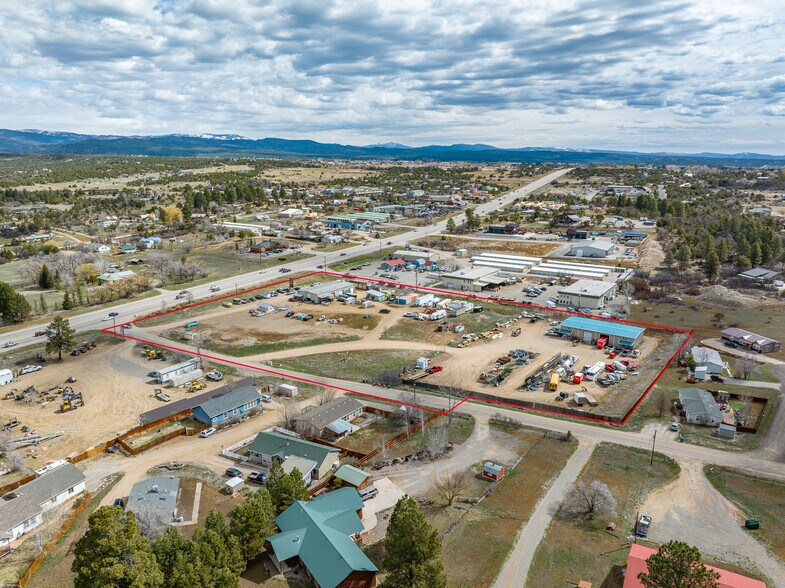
<point x="71" y="400"/>
<point x="11" y="424"/>
<point x="516" y="332"/>
<point x="195" y="386"/>
<point x="161" y="395"/>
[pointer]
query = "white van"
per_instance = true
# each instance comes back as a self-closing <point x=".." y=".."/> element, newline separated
<point x="368" y="492"/>
<point x="594" y="370"/>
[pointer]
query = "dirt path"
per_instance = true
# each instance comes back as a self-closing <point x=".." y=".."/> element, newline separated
<point x="773" y="444"/>
<point x="516" y="568"/>
<point x="691" y="510"/>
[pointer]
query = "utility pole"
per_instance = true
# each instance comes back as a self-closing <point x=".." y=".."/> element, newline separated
<point x="654" y="440"/>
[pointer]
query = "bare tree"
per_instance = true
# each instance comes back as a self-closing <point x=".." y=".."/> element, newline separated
<point x="289" y="413"/>
<point x="745" y="367"/>
<point x="9" y="454"/>
<point x="450" y="484"/>
<point x="324" y="395"/>
<point x="437" y="441"/>
<point x="584" y="500"/>
<point x="744" y="413"/>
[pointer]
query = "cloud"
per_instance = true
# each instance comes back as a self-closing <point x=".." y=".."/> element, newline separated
<point x="679" y="74"/>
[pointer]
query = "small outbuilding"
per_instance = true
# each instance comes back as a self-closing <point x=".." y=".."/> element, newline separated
<point x="726" y="431"/>
<point x="492" y="471"/>
<point x="234" y="485"/>
<point x="6" y="377"/>
<point x="288" y="390"/>
<point x="349" y="475"/>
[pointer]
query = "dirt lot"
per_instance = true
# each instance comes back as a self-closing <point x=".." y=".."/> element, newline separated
<point x="113" y="379"/>
<point x="530" y="248"/>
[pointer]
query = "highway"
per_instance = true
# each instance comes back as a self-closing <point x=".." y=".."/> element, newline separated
<point x="92" y="320"/>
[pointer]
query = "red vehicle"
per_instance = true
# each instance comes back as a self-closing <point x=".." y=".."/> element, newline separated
<point x="434" y="369"/>
<point x="716" y="378"/>
<point x="602" y="342"/>
<point x="609" y="367"/>
<point x="40" y="333"/>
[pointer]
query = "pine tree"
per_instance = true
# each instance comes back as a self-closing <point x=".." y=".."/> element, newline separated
<point x="677" y="565"/>
<point x="757" y="254"/>
<point x="711" y="265"/>
<point x="68" y="302"/>
<point x="59" y="336"/>
<point x="451" y="227"/>
<point x="252" y="522"/>
<point x="14" y="307"/>
<point x="46" y="281"/>
<point x="413" y="550"/>
<point x="684" y="255"/>
<point x="43" y="306"/>
<point x="286" y="489"/>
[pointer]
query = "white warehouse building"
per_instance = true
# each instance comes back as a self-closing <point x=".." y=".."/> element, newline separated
<point x="593" y="294"/>
<point x="511" y="263"/>
<point x="596" y="248"/>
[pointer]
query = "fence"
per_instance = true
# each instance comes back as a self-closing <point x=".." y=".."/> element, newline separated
<point x="397" y="439"/>
<point x="50" y="545"/>
<point x="15" y="485"/>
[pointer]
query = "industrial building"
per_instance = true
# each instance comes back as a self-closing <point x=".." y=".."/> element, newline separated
<point x="326" y="292"/>
<point x="752" y="341"/>
<point x="595" y="248"/>
<point x="412" y="255"/>
<point x="510" y="263"/>
<point x="476" y="279"/>
<point x="588" y="330"/>
<point x="566" y="269"/>
<point x="171" y="374"/>
<point x="593" y="294"/>
<point x="228" y="406"/>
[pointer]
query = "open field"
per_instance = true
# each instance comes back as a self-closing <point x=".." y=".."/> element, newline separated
<point x="373" y="256"/>
<point x="316" y="174"/>
<point x="513" y="247"/>
<point x="758" y="498"/>
<point x="574" y="550"/>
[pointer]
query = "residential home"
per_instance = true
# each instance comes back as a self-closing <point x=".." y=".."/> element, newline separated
<point x="270" y="446"/>
<point x="708" y="359"/>
<point x="699" y="407"/>
<point x="229" y="406"/>
<point x="115" y="276"/>
<point x="759" y="275"/>
<point x="331" y="420"/>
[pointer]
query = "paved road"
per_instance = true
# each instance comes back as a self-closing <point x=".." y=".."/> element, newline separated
<point x="516" y="567"/>
<point x="92" y="320"/>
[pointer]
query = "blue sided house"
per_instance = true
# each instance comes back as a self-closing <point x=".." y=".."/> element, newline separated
<point x="588" y="330"/>
<point x="317" y="536"/>
<point x="228" y="406"/>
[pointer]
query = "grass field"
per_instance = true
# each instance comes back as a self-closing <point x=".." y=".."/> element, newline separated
<point x="759" y="498"/>
<point x="582" y="550"/>
<point x="516" y="247"/>
<point x="262" y="347"/>
<point x="352" y="365"/>
<point x="373" y="256"/>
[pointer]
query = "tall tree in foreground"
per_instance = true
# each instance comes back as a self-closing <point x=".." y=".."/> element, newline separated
<point x="286" y="489"/>
<point x="252" y="522"/>
<point x="413" y="550"/>
<point x="677" y="565"/>
<point x="112" y="553"/>
<point x="14" y="308"/>
<point x="59" y="336"/>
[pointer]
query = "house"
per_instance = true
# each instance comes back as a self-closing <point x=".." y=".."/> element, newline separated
<point x="352" y="476"/>
<point x="267" y="245"/>
<point x="750" y="340"/>
<point x="326" y="292"/>
<point x="317" y="536"/>
<point x="595" y="248"/>
<point x="172" y="372"/>
<point x="708" y="359"/>
<point x="592" y="294"/>
<point x="21" y="510"/>
<point x="588" y="330"/>
<point x="291" y="213"/>
<point x="103" y="249"/>
<point x="759" y="275"/>
<point x="393" y="265"/>
<point x="476" y="279"/>
<point x="699" y="407"/>
<point x="127" y="249"/>
<point x="636" y="565"/>
<point x="229" y="406"/>
<point x="331" y="420"/>
<point x="115" y="277"/>
<point x="149" y="242"/>
<point x="269" y="446"/>
<point x="329" y="239"/>
<point x="154" y="502"/>
<point x="567" y="219"/>
<point x="505" y="229"/>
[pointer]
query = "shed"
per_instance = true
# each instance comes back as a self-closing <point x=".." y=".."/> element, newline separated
<point x="234" y="485"/>
<point x="352" y="476"/>
<point x="726" y="431"/>
<point x="288" y="390"/>
<point x="492" y="471"/>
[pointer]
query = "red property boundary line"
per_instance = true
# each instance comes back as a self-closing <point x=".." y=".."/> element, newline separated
<point x="113" y="331"/>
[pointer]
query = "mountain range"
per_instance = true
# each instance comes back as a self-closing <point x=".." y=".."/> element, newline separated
<point x="33" y="141"/>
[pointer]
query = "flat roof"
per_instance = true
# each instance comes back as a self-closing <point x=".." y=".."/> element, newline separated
<point x="598" y="243"/>
<point x="603" y="327"/>
<point x="327" y="288"/>
<point x="472" y="274"/>
<point x="595" y="288"/>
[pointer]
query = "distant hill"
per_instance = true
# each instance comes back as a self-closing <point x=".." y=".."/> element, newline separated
<point x="226" y="145"/>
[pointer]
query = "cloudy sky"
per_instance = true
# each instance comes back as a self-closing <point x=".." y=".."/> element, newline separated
<point x="687" y="75"/>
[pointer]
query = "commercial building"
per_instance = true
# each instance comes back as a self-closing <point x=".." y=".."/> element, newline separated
<point x="505" y="229"/>
<point x="592" y="294"/>
<point x="699" y="407"/>
<point x="172" y="373"/>
<point x="154" y="502"/>
<point x="412" y="255"/>
<point x="636" y="565"/>
<point x="21" y="510"/>
<point x="268" y="245"/>
<point x="588" y="330"/>
<point x="509" y="263"/>
<point x="759" y="275"/>
<point x="348" y="222"/>
<point x="476" y="279"/>
<point x="326" y="292"/>
<point x="569" y="269"/>
<point x="751" y="341"/>
<point x="229" y="406"/>
<point x="317" y="536"/>
<point x="595" y="248"/>
<point x="331" y="420"/>
<point x="269" y="446"/>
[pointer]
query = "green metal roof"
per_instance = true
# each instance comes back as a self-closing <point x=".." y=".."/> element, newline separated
<point x="351" y="474"/>
<point x="697" y="401"/>
<point x="270" y="443"/>
<point x="319" y="533"/>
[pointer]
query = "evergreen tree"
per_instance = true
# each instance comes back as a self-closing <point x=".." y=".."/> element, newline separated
<point x="68" y="302"/>
<point x="677" y="565"/>
<point x="14" y="308"/>
<point x="451" y="228"/>
<point x="412" y="550"/>
<point x="113" y="553"/>
<point x="252" y="522"/>
<point x="286" y="489"/>
<point x="42" y="305"/>
<point x="723" y="250"/>
<point x="59" y="336"/>
<point x="46" y="281"/>
<point x="684" y="255"/>
<point x="757" y="254"/>
<point x="711" y="265"/>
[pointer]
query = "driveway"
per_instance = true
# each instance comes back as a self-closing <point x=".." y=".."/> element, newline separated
<point x="388" y="495"/>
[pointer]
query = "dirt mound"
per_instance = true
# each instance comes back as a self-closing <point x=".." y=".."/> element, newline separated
<point x="722" y="296"/>
<point x="651" y="255"/>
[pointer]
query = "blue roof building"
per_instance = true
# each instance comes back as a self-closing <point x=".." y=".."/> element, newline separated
<point x="588" y="330"/>
<point x="634" y="235"/>
<point x="228" y="406"/>
<point x="318" y="536"/>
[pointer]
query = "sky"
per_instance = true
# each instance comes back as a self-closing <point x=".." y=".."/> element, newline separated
<point x="686" y="75"/>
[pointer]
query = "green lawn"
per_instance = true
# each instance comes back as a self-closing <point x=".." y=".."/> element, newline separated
<point x="262" y="347"/>
<point x="575" y="550"/>
<point x="374" y="255"/>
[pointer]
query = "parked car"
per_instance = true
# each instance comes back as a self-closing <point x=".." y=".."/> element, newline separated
<point x="119" y="502"/>
<point x="233" y="473"/>
<point x="207" y="432"/>
<point x="368" y="492"/>
<point x="266" y="398"/>
<point x="675" y="426"/>
<point x="257" y="477"/>
<point x="215" y="376"/>
<point x="385" y="311"/>
<point x="716" y="378"/>
<point x="29" y="369"/>
<point x="434" y="369"/>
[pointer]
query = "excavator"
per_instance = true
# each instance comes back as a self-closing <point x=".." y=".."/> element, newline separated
<point x="195" y="386"/>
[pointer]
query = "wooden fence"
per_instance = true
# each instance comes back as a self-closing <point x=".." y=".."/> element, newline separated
<point x="14" y="485"/>
<point x="36" y="563"/>
<point x="397" y="439"/>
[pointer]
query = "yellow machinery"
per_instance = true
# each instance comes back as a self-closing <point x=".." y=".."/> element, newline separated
<point x="195" y="386"/>
<point x="554" y="383"/>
